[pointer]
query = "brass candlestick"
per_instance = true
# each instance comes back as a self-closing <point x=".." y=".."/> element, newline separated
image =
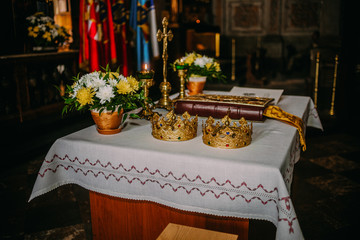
<point x="146" y="77"/>
<point x="316" y="78"/>
<point x="165" y="86"/>
<point x="182" y="70"/>
<point x="332" y="112"/>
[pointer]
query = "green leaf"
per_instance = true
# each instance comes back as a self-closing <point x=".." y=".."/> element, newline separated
<point x="57" y="87"/>
<point x="125" y="117"/>
<point x="133" y="115"/>
<point x="64" y="110"/>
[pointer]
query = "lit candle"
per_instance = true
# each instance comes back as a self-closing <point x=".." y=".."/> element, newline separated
<point x="145" y="73"/>
<point x="181" y="65"/>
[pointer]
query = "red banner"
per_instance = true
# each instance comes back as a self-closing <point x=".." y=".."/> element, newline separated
<point x="97" y="37"/>
<point x="120" y="18"/>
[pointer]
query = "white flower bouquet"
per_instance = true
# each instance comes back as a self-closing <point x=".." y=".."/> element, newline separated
<point x="200" y="65"/>
<point x="103" y="91"/>
<point x="43" y="31"/>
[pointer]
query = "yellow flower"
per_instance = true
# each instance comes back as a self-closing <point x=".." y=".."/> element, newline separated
<point x="113" y="75"/>
<point x="47" y="35"/>
<point x="32" y="34"/>
<point x="123" y="87"/>
<point x="208" y="65"/>
<point x="85" y="96"/>
<point x="36" y="29"/>
<point x="190" y="58"/>
<point x="30" y="29"/>
<point x="133" y="83"/>
<point x="217" y="67"/>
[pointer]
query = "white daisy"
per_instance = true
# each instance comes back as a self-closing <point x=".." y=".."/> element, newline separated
<point x="122" y="77"/>
<point x="112" y="82"/>
<point x="202" y="61"/>
<point x="42" y="27"/>
<point x="98" y="82"/>
<point x="31" y="19"/>
<point x="54" y="32"/>
<point x="76" y="88"/>
<point x="89" y="79"/>
<point x="105" y="93"/>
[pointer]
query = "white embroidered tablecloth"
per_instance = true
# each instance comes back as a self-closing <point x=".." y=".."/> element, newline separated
<point x="251" y="182"/>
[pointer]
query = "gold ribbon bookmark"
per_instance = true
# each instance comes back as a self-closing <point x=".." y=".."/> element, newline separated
<point x="279" y="114"/>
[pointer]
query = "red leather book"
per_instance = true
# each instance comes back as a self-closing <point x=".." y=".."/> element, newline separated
<point x="217" y="106"/>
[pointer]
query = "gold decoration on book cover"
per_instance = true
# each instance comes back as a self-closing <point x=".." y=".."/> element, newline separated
<point x="227" y="135"/>
<point x="236" y="100"/>
<point x="173" y="127"/>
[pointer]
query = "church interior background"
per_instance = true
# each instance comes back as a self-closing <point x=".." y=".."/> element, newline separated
<point x="259" y="43"/>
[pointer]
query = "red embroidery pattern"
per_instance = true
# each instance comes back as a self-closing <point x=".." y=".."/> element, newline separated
<point x="288" y="175"/>
<point x="157" y="171"/>
<point x="290" y="223"/>
<point x="313" y="112"/>
<point x="175" y="189"/>
<point x="167" y="184"/>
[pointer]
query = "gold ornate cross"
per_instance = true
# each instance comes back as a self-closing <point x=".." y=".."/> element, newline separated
<point x="164" y="35"/>
<point x="165" y="87"/>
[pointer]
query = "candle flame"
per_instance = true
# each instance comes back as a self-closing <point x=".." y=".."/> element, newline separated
<point x="145" y="66"/>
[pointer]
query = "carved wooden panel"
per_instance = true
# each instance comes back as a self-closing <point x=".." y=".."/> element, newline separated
<point x="274" y="18"/>
<point x="301" y="16"/>
<point x="244" y="17"/>
<point x="261" y="17"/>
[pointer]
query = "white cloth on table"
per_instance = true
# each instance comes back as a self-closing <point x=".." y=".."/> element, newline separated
<point x="251" y="182"/>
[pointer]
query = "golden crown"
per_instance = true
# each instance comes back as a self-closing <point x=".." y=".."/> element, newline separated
<point x="173" y="128"/>
<point x="227" y="135"/>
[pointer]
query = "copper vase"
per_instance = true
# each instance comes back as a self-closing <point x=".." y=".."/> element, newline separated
<point x="108" y="122"/>
<point x="195" y="85"/>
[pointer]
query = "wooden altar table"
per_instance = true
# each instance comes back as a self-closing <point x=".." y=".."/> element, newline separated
<point x="132" y="171"/>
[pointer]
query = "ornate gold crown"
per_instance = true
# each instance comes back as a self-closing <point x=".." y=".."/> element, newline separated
<point x="174" y="128"/>
<point x="227" y="135"/>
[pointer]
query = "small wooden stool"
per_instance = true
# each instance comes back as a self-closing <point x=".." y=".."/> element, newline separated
<point x="181" y="232"/>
